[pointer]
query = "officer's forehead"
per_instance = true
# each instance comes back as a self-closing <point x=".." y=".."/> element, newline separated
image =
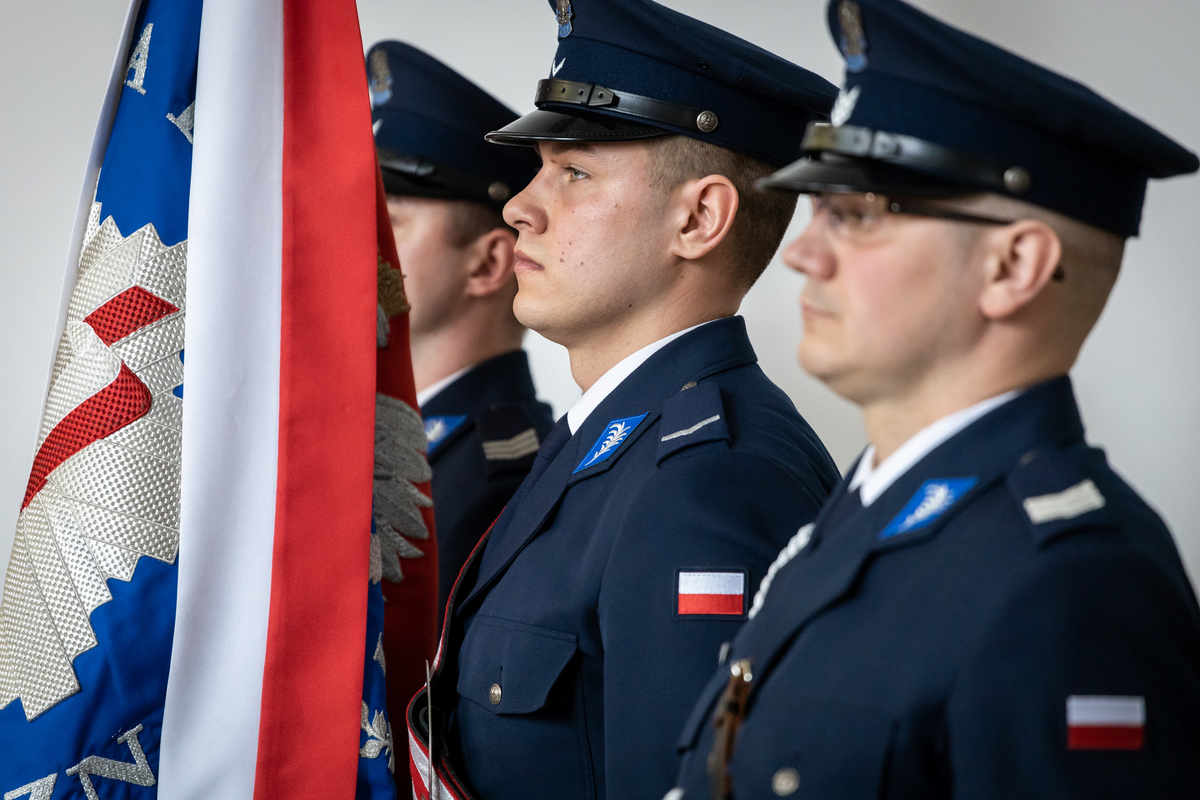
<point x="549" y="149"/>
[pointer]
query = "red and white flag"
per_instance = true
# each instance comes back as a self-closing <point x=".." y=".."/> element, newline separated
<point x="722" y="593"/>
<point x="1105" y="722"/>
<point x="193" y="605"/>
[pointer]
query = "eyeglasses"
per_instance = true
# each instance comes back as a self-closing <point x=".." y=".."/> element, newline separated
<point x="860" y="217"/>
<point x="863" y="217"/>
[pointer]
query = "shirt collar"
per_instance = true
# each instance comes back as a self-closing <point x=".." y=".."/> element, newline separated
<point x="432" y="391"/>
<point x="874" y="481"/>
<point x="610" y="380"/>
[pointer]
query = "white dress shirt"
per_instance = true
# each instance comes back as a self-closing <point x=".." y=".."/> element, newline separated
<point x="610" y="380"/>
<point x="430" y="392"/>
<point x="873" y="480"/>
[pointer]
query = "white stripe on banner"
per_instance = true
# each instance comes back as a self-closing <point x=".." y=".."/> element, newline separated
<point x="230" y="408"/>
<point x="711" y="582"/>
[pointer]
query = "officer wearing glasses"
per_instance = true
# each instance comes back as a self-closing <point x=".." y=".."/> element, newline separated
<point x="983" y="609"/>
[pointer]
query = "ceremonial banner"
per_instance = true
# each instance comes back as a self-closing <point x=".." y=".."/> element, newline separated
<point x="193" y="605"/>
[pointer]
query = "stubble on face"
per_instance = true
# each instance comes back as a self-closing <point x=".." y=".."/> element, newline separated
<point x="592" y="241"/>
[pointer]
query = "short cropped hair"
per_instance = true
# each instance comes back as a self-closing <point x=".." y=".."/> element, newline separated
<point x="469" y="220"/>
<point x="762" y="217"/>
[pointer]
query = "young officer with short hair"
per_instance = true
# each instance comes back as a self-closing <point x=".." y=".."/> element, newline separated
<point x="594" y="610"/>
<point x="446" y="188"/>
<point x="984" y="609"/>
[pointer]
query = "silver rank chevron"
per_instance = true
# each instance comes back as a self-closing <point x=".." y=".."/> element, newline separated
<point x="115" y="498"/>
<point x="399" y="465"/>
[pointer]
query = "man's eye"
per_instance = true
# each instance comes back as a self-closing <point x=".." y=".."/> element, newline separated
<point x="576" y="174"/>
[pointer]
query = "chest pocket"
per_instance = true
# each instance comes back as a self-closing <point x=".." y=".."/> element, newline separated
<point x="510" y="667"/>
<point x="822" y="748"/>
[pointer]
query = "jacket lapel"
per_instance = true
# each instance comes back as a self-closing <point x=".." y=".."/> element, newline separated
<point x="846" y="535"/>
<point x="718" y="346"/>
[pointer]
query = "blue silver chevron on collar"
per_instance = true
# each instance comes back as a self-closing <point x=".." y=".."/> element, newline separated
<point x="615" y="432"/>
<point x="438" y="429"/>
<point x="934" y="498"/>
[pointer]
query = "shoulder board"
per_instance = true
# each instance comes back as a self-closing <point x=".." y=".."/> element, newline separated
<point x="695" y="414"/>
<point x="1056" y="495"/>
<point x="509" y="438"/>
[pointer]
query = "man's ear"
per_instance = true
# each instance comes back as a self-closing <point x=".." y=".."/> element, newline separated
<point x="705" y="211"/>
<point x="491" y="262"/>
<point x="1020" y="260"/>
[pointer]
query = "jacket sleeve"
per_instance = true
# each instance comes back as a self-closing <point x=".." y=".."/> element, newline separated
<point x="1047" y="704"/>
<point x="707" y="510"/>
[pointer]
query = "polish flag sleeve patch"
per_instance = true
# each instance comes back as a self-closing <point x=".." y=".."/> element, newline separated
<point x="710" y="592"/>
<point x="1105" y="722"/>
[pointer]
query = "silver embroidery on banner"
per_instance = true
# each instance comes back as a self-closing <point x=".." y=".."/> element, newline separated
<point x="137" y="773"/>
<point x="379" y="737"/>
<point x="112" y="501"/>
<point x="138" y="60"/>
<point x="399" y="465"/>
<point x="37" y="790"/>
<point x="378" y="657"/>
<point x="185" y="121"/>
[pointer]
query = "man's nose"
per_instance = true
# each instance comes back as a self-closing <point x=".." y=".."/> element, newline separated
<point x="810" y="253"/>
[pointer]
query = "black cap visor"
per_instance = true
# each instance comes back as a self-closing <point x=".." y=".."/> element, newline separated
<point x="553" y="126"/>
<point x="416" y="176"/>
<point x="830" y="172"/>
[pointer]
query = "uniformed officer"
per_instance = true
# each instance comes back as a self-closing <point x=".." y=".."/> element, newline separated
<point x="446" y="187"/>
<point x="593" y="612"/>
<point x="984" y="609"/>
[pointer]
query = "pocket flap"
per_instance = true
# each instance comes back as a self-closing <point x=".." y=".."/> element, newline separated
<point x="509" y="667"/>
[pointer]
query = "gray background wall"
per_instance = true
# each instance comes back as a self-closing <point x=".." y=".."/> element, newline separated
<point x="1138" y="377"/>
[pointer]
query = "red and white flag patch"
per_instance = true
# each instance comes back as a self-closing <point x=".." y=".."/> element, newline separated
<point x="1105" y="722"/>
<point x="711" y="593"/>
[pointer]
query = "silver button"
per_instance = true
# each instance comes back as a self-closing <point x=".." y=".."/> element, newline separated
<point x="498" y="190"/>
<point x="494" y="694"/>
<point x="1017" y="180"/>
<point x="707" y="121"/>
<point x="786" y="781"/>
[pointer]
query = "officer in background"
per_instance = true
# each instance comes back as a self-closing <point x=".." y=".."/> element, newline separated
<point x="445" y="190"/>
<point x="593" y="612"/>
<point x="984" y="609"/>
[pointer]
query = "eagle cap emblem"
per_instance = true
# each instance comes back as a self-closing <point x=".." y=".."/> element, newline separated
<point x="564" y="18"/>
<point x="853" y="41"/>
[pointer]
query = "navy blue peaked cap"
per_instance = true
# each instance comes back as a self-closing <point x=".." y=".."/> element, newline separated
<point x="632" y="69"/>
<point x="929" y="109"/>
<point x="429" y="124"/>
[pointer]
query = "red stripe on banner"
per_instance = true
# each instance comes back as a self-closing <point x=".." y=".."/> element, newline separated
<point x="710" y="604"/>
<point x="1105" y="737"/>
<point x="410" y="615"/>
<point x="107" y="411"/>
<point x="313" y="673"/>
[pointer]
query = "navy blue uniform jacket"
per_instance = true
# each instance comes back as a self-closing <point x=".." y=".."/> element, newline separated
<point x="569" y="668"/>
<point x="932" y="644"/>
<point x="484" y="430"/>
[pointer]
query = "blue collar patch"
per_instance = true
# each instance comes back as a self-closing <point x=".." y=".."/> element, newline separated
<point x="438" y="429"/>
<point x="615" y="432"/>
<point x="934" y="498"/>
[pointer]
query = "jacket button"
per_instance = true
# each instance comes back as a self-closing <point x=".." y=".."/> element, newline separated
<point x="494" y="694"/>
<point x="785" y="781"/>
